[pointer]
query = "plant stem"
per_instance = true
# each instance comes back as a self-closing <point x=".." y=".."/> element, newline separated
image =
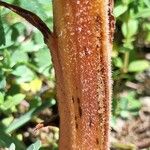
<point x="81" y="57"/>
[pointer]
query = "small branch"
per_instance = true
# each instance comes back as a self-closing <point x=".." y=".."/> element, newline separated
<point x="31" y="18"/>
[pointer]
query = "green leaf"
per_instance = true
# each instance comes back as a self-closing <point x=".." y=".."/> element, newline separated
<point x="23" y="74"/>
<point x="129" y="28"/>
<point x="145" y="13"/>
<point x="7" y="120"/>
<point x="30" y="46"/>
<point x="35" y="7"/>
<point x="29" y="16"/>
<point x="118" y="62"/>
<point x="134" y="105"/>
<point x="43" y="61"/>
<point x="20" y="121"/>
<point x="35" y="146"/>
<point x="3" y="83"/>
<point x="6" y="140"/>
<point x="12" y="146"/>
<point x="147" y="3"/>
<point x="2" y="80"/>
<point x="138" y="66"/>
<point x="12" y="101"/>
<point x="123" y="103"/>
<point x="43" y="1"/>
<point x="147" y="38"/>
<point x="8" y="37"/>
<point x="15" y="33"/>
<point x="18" y="56"/>
<point x="38" y="39"/>
<point x="146" y="26"/>
<point x="124" y="114"/>
<point x="1" y="98"/>
<point x="2" y="33"/>
<point x="126" y="2"/>
<point x="17" y="123"/>
<point x="119" y="10"/>
<point x="113" y="122"/>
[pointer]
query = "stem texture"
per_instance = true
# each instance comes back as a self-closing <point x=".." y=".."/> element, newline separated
<point x="83" y="31"/>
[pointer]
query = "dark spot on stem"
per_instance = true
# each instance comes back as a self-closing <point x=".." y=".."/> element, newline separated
<point x="76" y="125"/>
<point x="98" y="70"/>
<point x="100" y="117"/>
<point x="75" y="117"/>
<point x="97" y="141"/>
<point x="90" y="122"/>
<point x="99" y="38"/>
<point x="72" y="99"/>
<point x="98" y="19"/>
<point x="98" y="46"/>
<point x="80" y="111"/>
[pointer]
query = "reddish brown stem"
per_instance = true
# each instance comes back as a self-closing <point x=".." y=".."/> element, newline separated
<point x="82" y="64"/>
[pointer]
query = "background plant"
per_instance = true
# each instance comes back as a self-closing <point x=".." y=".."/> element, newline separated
<point x="131" y="42"/>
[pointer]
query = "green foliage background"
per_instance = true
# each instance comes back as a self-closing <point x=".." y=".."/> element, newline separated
<point x="27" y="83"/>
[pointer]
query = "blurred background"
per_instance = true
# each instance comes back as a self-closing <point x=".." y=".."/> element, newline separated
<point x="27" y="80"/>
